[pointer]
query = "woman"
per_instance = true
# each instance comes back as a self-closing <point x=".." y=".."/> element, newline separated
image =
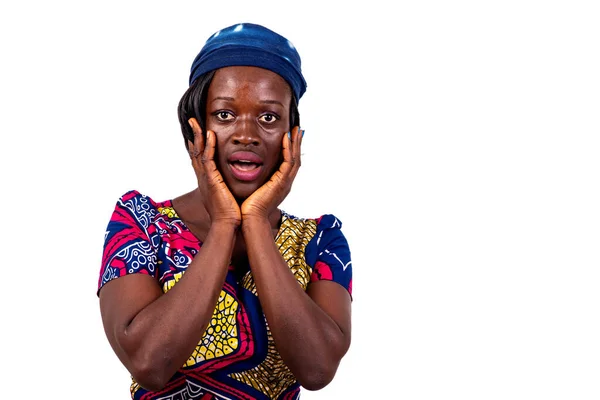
<point x="220" y="294"/>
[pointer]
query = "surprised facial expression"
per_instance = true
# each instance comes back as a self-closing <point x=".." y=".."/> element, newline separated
<point x="248" y="109"/>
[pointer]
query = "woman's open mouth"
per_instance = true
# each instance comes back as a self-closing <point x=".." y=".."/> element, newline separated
<point x="245" y="166"/>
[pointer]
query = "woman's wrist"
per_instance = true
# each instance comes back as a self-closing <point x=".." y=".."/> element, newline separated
<point x="254" y="223"/>
<point x="224" y="226"/>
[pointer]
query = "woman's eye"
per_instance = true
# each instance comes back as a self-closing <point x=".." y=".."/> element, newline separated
<point x="224" y="115"/>
<point x="269" y="118"/>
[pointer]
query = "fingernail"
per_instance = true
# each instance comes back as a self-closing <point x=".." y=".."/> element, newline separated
<point x="290" y="135"/>
<point x="303" y="132"/>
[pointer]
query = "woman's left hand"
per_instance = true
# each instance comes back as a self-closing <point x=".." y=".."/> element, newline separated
<point x="269" y="196"/>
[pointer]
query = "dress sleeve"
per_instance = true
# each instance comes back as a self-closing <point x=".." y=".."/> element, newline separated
<point x="329" y="254"/>
<point x="128" y="244"/>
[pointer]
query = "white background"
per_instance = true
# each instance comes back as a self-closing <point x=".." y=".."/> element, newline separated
<point x="457" y="141"/>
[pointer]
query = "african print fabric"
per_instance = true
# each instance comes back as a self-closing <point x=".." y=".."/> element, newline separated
<point x="236" y="356"/>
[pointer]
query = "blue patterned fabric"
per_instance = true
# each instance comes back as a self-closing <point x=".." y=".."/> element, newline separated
<point x="251" y="45"/>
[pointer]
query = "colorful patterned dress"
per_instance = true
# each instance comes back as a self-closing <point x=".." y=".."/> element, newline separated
<point x="236" y="357"/>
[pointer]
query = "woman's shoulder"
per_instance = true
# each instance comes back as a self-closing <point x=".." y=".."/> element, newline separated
<point x="142" y="201"/>
<point x="140" y="205"/>
<point x="327" y="250"/>
<point x="320" y="232"/>
<point x="322" y="222"/>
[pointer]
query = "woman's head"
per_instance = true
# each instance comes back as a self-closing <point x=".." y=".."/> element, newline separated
<point x="244" y="85"/>
<point x="240" y="45"/>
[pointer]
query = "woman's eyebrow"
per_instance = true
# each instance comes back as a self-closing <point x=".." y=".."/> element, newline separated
<point x="223" y="98"/>
<point x="271" y="102"/>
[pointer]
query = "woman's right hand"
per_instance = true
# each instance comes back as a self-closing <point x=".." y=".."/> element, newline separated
<point x="218" y="200"/>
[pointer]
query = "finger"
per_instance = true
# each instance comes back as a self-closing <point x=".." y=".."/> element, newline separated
<point x="209" y="150"/>
<point x="286" y="147"/>
<point x="191" y="150"/>
<point x="295" y="152"/>
<point x="208" y="162"/>
<point x="296" y="142"/>
<point x="286" y="152"/>
<point x="299" y="147"/>
<point x="198" y="136"/>
<point x="200" y="144"/>
<point x="195" y="125"/>
<point x="294" y="149"/>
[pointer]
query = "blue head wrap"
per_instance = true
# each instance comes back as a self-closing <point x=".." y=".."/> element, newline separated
<point x="251" y="45"/>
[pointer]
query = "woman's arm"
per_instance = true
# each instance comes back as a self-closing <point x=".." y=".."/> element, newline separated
<point x="311" y="329"/>
<point x="152" y="333"/>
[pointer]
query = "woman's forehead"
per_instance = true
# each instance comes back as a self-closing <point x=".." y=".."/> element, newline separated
<point x="233" y="79"/>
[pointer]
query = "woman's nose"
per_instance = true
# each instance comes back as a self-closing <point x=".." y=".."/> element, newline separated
<point x="246" y="133"/>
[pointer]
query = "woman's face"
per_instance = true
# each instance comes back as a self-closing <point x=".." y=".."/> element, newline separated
<point x="248" y="109"/>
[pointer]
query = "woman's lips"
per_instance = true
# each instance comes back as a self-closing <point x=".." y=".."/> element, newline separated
<point x="245" y="166"/>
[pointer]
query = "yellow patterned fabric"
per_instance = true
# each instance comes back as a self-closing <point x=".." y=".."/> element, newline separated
<point x="168" y="211"/>
<point x="292" y="238"/>
<point x="272" y="377"/>
<point x="220" y="338"/>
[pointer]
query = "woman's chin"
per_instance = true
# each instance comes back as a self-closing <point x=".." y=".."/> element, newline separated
<point x="241" y="191"/>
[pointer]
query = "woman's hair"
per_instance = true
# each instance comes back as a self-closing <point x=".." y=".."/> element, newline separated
<point x="193" y="105"/>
